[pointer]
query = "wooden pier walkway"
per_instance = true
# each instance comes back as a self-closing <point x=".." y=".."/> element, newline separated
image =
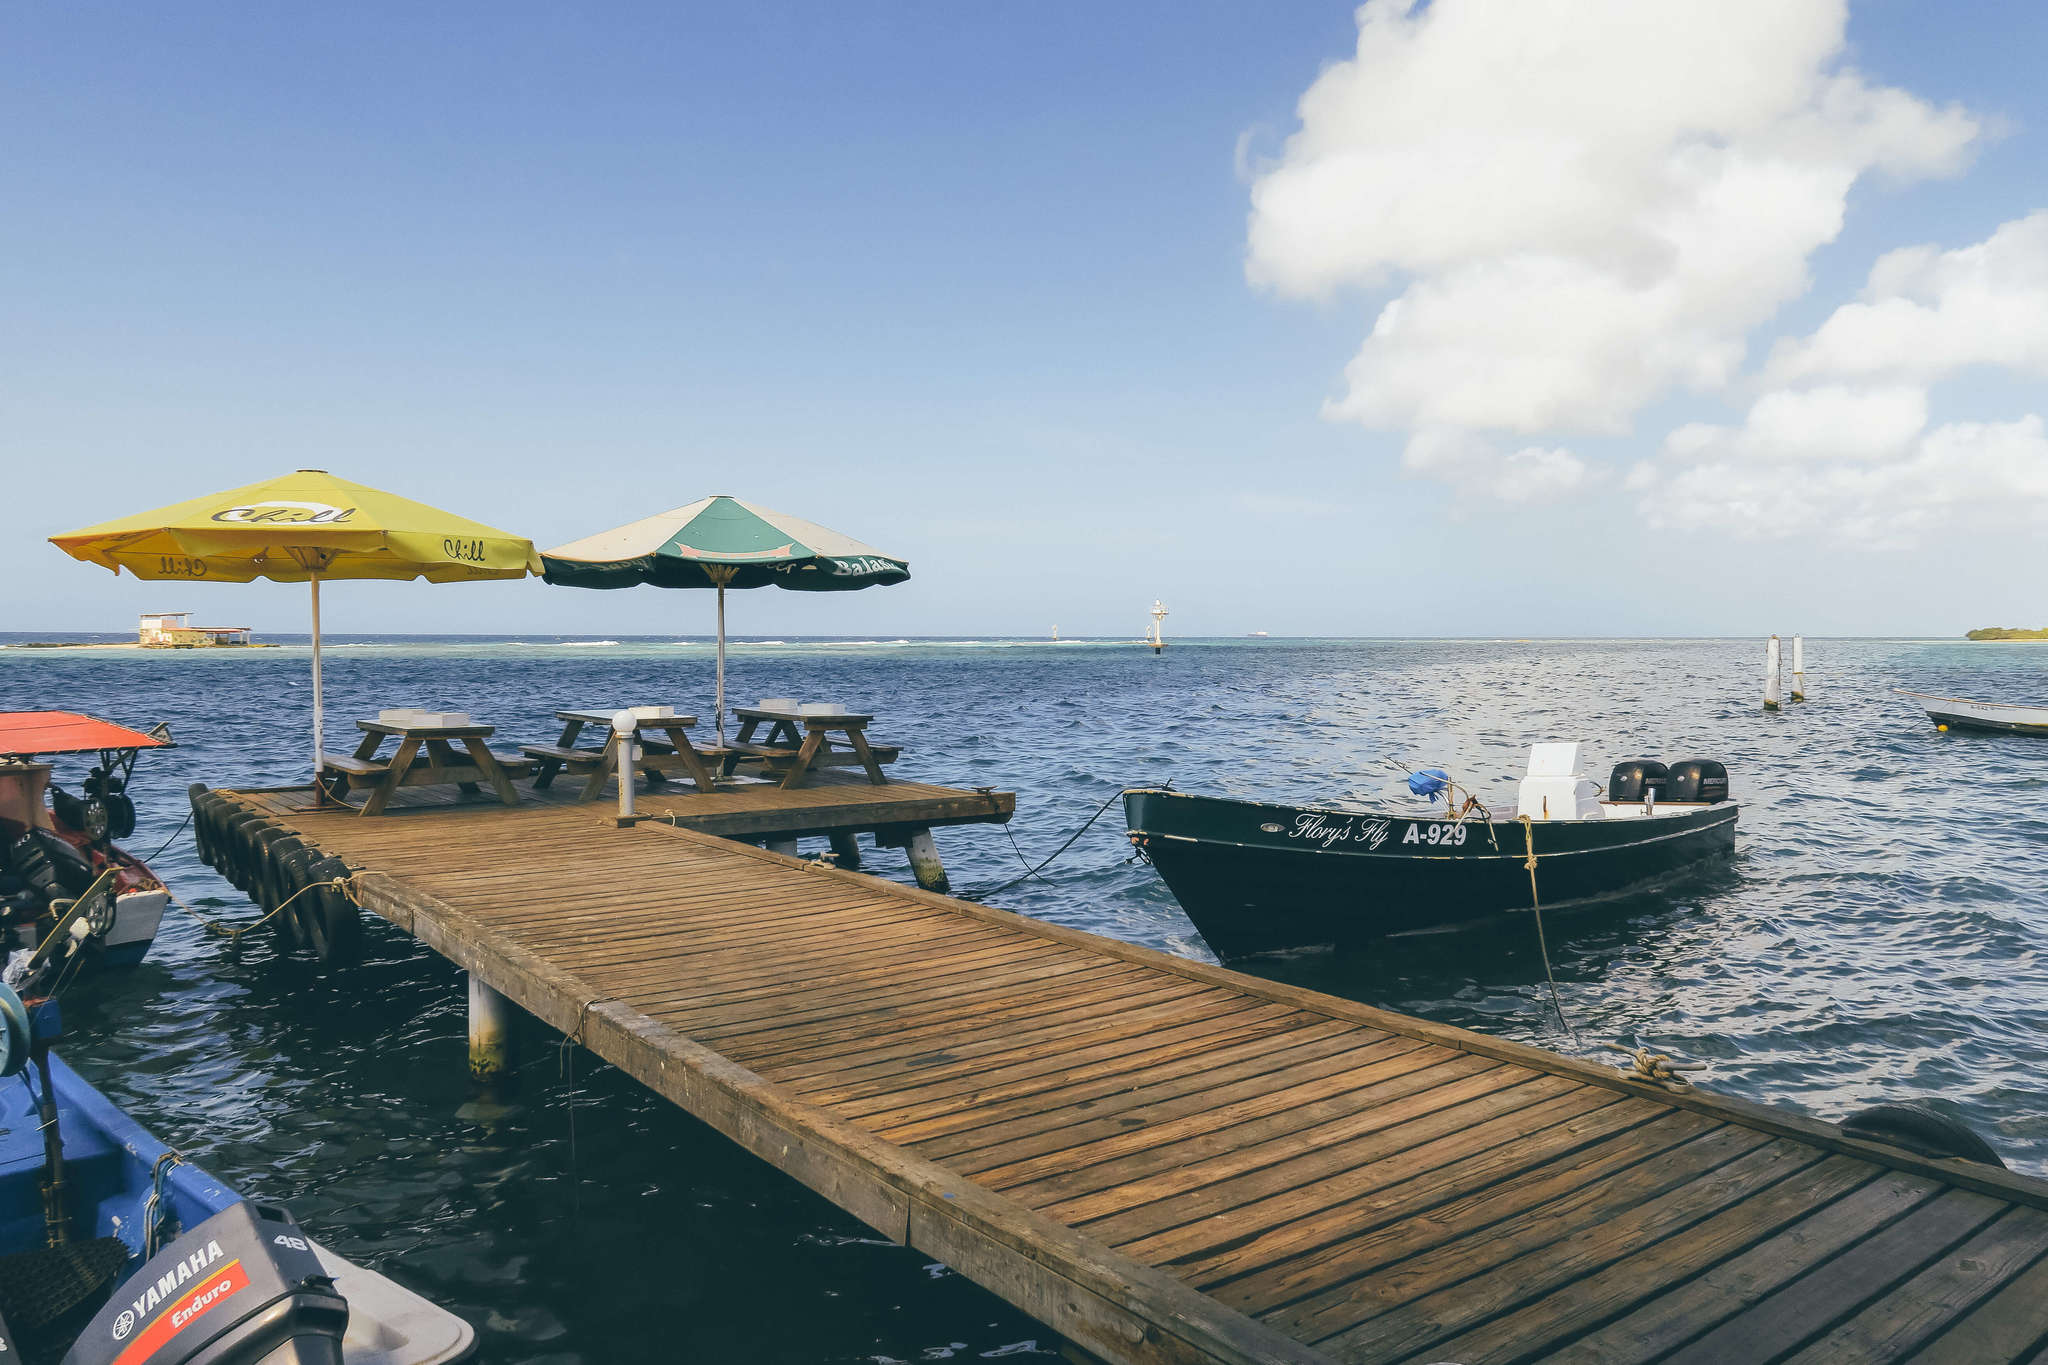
<point x="1167" y="1161"/>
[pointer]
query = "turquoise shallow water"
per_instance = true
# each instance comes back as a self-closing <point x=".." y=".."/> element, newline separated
<point x="1878" y="935"/>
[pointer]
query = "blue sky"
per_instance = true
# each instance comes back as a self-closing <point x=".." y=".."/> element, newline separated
<point x="967" y="282"/>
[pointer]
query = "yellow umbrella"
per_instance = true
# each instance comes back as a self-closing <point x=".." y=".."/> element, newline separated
<point x="302" y="528"/>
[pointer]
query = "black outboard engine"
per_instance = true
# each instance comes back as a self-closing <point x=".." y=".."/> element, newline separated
<point x="1633" y="780"/>
<point x="1697" y="779"/>
<point x="245" y="1287"/>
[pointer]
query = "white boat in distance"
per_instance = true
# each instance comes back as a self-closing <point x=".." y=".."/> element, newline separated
<point x="1953" y="713"/>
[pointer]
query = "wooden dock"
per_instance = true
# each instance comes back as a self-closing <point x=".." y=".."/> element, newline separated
<point x="1167" y="1161"/>
<point x="832" y="804"/>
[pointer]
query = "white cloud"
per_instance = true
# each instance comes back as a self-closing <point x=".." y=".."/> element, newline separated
<point x="1475" y="468"/>
<point x="1848" y="459"/>
<point x="1829" y="423"/>
<point x="1926" y="313"/>
<point x="1962" y="474"/>
<point x="1582" y="204"/>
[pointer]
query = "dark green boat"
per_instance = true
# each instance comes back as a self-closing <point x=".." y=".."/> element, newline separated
<point x="1259" y="878"/>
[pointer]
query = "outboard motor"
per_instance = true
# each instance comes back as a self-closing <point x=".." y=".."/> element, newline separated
<point x="245" y="1287"/>
<point x="1697" y="779"/>
<point x="1636" y="780"/>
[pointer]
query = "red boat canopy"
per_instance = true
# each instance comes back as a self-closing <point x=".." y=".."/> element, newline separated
<point x="23" y="733"/>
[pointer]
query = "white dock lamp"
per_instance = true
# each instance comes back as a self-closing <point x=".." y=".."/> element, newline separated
<point x="625" y="728"/>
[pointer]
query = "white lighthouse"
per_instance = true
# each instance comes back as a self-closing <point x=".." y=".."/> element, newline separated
<point x="1155" y="636"/>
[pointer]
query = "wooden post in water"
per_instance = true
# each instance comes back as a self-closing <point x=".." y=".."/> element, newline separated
<point x="1771" y="675"/>
<point x="1799" y="668"/>
<point x="491" y="1039"/>
<point x="846" y="847"/>
<point x="786" y="846"/>
<point x="924" y="861"/>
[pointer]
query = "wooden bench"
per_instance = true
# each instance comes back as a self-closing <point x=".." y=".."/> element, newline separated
<point x="781" y="756"/>
<point x="550" y="758"/>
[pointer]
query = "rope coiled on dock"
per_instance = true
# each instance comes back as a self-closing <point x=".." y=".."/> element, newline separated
<point x="1654" y="1068"/>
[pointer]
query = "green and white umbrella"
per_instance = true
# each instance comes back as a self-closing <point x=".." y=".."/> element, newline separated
<point x="721" y="543"/>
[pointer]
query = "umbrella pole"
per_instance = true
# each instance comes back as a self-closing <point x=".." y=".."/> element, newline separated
<point x="319" y="754"/>
<point x="718" y="715"/>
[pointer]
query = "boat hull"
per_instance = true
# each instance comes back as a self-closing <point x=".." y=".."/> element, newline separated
<point x="1262" y="878"/>
<point x="1990" y="717"/>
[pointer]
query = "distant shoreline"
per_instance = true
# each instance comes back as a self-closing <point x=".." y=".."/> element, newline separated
<point x="124" y="644"/>
<point x="2008" y="634"/>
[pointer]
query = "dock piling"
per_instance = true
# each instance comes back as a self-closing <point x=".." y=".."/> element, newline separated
<point x="846" y="849"/>
<point x="924" y="861"/>
<point x="1772" y="669"/>
<point x="1799" y="668"/>
<point x="491" y="1037"/>
<point x="785" y="846"/>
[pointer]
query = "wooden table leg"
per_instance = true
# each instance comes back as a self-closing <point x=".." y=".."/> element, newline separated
<point x="401" y="763"/>
<point x="594" y="788"/>
<point x="438" y="751"/>
<point x="855" y="735"/>
<point x="487" y="762"/>
<point x="544" y="775"/>
<point x="802" y="765"/>
<point x="692" y="760"/>
<point x="745" y="736"/>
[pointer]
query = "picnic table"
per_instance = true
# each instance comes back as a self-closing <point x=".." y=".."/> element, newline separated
<point x="800" y="741"/>
<point x="669" y="753"/>
<point x="439" y="765"/>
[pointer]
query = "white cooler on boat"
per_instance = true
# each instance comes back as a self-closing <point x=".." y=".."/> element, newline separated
<point x="1554" y="788"/>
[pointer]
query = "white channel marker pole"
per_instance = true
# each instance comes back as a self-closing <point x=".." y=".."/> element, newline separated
<point x="1799" y="668"/>
<point x="1772" y="670"/>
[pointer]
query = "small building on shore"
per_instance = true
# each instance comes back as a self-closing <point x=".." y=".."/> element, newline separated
<point x="174" y="630"/>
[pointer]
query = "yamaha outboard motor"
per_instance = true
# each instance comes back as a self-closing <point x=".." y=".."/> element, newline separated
<point x="1630" y="781"/>
<point x="245" y="1287"/>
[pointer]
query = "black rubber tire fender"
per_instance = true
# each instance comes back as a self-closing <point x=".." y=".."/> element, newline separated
<point x="294" y="877"/>
<point x="227" y="843"/>
<point x="1920" y="1128"/>
<point x="276" y="885"/>
<point x="202" y="820"/>
<point x="241" y="847"/>
<point x="209" y="817"/>
<point x="284" y="928"/>
<point x="212" y="820"/>
<point x="267" y="836"/>
<point x="341" y="923"/>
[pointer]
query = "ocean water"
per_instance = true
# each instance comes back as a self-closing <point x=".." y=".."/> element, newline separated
<point x="1878" y="934"/>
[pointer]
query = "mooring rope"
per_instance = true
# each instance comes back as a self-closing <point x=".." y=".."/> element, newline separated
<point x="1029" y="870"/>
<point x="1536" y="905"/>
<point x="174" y="835"/>
<point x="345" y="885"/>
